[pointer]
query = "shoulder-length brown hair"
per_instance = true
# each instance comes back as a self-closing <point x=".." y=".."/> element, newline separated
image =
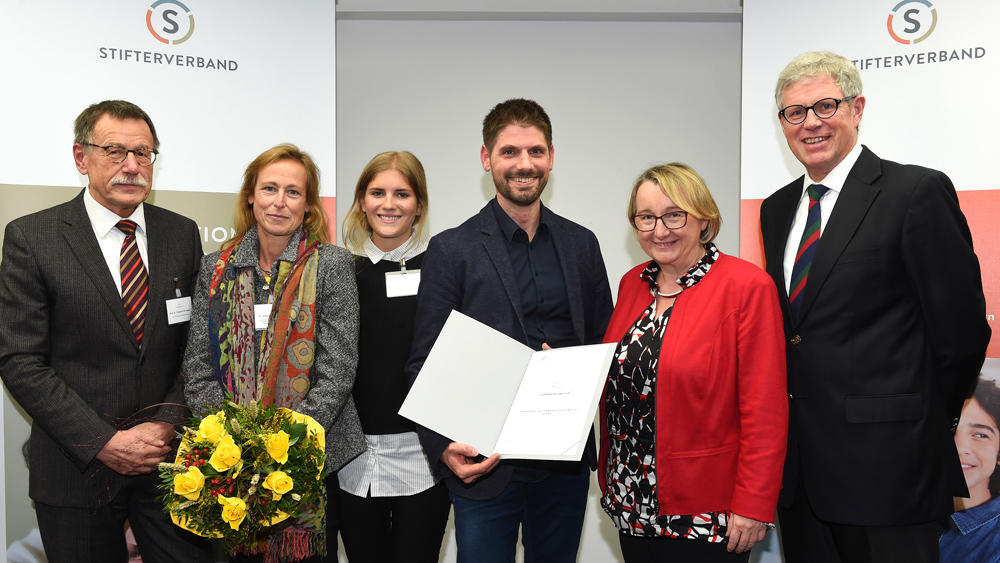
<point x="356" y="227"/>
<point x="315" y="219"/>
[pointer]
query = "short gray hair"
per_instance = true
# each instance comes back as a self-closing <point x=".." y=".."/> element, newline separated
<point x="816" y="63"/>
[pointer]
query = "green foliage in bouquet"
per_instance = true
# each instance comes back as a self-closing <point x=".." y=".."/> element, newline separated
<point x="244" y="473"/>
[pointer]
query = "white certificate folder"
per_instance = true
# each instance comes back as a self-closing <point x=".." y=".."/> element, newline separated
<point x="481" y="387"/>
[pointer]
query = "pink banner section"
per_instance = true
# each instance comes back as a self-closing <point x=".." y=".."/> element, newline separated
<point x="330" y="206"/>
<point x="981" y="208"/>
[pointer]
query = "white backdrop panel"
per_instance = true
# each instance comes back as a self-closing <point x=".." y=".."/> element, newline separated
<point x="919" y="110"/>
<point x="276" y="84"/>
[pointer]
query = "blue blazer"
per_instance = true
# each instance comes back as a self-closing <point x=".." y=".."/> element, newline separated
<point x="468" y="269"/>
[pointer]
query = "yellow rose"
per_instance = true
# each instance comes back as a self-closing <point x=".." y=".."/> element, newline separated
<point x="314" y="428"/>
<point x="226" y="454"/>
<point x="234" y="510"/>
<point x="210" y="429"/>
<point x="277" y="446"/>
<point x="189" y="485"/>
<point x="279" y="483"/>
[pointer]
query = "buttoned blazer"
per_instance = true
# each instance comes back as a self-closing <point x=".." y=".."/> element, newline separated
<point x="468" y="269"/>
<point x="67" y="352"/>
<point x="891" y="336"/>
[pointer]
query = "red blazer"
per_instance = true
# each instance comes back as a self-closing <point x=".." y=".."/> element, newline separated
<point x="721" y="403"/>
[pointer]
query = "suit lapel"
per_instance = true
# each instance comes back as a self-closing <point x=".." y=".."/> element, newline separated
<point x="852" y="205"/>
<point x="79" y="236"/>
<point x="496" y="249"/>
<point x="781" y="211"/>
<point x="783" y="205"/>
<point x="571" y="278"/>
<point x="159" y="280"/>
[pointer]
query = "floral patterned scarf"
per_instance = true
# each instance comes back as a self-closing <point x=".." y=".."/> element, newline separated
<point x="279" y="374"/>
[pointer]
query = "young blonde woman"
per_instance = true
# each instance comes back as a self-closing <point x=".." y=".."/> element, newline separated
<point x="391" y="509"/>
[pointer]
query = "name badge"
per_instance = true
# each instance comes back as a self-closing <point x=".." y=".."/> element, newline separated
<point x="261" y="315"/>
<point x="402" y="284"/>
<point x="178" y="310"/>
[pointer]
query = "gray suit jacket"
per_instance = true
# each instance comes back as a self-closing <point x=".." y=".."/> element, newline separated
<point x="67" y="352"/>
<point x="468" y="269"/>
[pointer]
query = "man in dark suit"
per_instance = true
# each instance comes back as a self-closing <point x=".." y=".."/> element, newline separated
<point x="886" y="326"/>
<point x="90" y="348"/>
<point x="536" y="277"/>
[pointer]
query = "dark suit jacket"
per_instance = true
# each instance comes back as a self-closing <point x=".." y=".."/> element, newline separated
<point x="468" y="269"/>
<point x="890" y="340"/>
<point x="67" y="352"/>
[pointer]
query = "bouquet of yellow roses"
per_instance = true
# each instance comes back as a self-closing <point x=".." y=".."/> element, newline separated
<point x="253" y="476"/>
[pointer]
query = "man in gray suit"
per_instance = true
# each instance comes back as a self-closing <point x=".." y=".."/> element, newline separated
<point x="91" y="337"/>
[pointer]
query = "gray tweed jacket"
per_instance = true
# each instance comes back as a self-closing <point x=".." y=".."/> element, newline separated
<point x="332" y="377"/>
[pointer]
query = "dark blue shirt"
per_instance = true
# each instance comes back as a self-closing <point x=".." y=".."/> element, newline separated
<point x="540" y="282"/>
<point x="974" y="535"/>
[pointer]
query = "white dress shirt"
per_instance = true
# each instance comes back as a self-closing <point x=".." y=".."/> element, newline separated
<point x="110" y="239"/>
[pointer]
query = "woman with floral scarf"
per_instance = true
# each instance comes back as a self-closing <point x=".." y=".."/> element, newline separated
<point x="275" y="320"/>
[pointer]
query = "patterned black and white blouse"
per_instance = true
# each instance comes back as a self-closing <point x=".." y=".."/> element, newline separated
<point x="630" y="499"/>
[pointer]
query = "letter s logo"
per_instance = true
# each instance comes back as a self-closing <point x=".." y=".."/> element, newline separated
<point x="168" y="16"/>
<point x="908" y="18"/>
<point x="912" y="21"/>
<point x="170" y="21"/>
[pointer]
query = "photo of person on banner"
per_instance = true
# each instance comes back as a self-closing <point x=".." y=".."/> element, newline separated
<point x="972" y="533"/>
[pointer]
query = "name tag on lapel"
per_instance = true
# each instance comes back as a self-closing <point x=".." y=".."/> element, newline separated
<point x="178" y="310"/>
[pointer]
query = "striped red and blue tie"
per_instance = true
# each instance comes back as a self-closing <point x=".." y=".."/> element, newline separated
<point x="135" y="282"/>
<point x="807" y="248"/>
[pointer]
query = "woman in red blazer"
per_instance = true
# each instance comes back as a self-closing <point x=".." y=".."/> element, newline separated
<point x="695" y="410"/>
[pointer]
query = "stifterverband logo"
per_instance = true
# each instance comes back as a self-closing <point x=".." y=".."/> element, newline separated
<point x="912" y="21"/>
<point x="168" y="24"/>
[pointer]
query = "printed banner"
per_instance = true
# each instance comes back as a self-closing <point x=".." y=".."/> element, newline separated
<point x="221" y="81"/>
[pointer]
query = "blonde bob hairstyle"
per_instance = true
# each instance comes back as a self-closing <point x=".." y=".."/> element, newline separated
<point x="315" y="218"/>
<point x="687" y="190"/>
<point x="356" y="227"/>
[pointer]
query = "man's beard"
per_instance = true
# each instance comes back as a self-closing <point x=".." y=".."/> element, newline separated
<point x="520" y="197"/>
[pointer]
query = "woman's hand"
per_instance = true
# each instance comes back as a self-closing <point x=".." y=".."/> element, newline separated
<point x="743" y="532"/>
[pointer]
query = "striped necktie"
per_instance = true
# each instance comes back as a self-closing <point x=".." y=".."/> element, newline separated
<point x="807" y="248"/>
<point x="135" y="282"/>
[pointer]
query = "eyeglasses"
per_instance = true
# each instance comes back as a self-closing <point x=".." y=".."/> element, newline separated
<point x="824" y="109"/>
<point x="117" y="154"/>
<point x="645" y="222"/>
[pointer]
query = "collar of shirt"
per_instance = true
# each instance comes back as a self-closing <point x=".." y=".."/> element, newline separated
<point x="974" y="518"/>
<point x="103" y="220"/>
<point x="248" y="253"/>
<point x="110" y="239"/>
<point x="835" y="181"/>
<point x="509" y="228"/>
<point x="405" y="251"/>
<point x="691" y="277"/>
